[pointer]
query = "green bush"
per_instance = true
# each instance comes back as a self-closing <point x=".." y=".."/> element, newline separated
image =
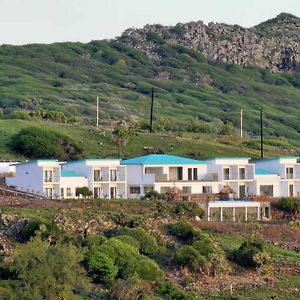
<point x="30" y="230"/>
<point x="34" y="142"/>
<point x="246" y="253"/>
<point x="147" y="243"/>
<point x="290" y="205"/>
<point x="189" y="209"/>
<point x="129" y="261"/>
<point x="153" y="195"/>
<point x="20" y="114"/>
<point x="187" y="256"/>
<point x="129" y="240"/>
<point x="184" y="231"/>
<point x="168" y="291"/>
<point x="93" y="240"/>
<point x="101" y="266"/>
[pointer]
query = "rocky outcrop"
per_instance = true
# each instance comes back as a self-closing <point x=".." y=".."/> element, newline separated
<point x="274" y="44"/>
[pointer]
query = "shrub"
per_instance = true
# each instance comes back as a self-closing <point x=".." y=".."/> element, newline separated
<point x="188" y="256"/>
<point x="83" y="191"/>
<point x="148" y="270"/>
<point x="101" y="266"/>
<point x="36" y="142"/>
<point x="183" y="230"/>
<point x="30" y="230"/>
<point x="129" y="240"/>
<point x="290" y="205"/>
<point x="147" y="243"/>
<point x="129" y="261"/>
<point x="189" y="209"/>
<point x="93" y="240"/>
<point x="20" y="114"/>
<point x="250" y="248"/>
<point x="168" y="291"/>
<point x="153" y="195"/>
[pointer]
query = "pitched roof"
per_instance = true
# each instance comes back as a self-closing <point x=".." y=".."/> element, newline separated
<point x="65" y="173"/>
<point x="263" y="172"/>
<point x="161" y="159"/>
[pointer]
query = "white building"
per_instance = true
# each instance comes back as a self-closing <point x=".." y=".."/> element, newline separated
<point x="237" y="172"/>
<point x="7" y="169"/>
<point x="106" y="177"/>
<point x="45" y="178"/>
<point x="160" y="172"/>
<point x="287" y="170"/>
<point x="40" y="177"/>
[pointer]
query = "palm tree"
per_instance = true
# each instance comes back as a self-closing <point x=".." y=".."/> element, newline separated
<point x="120" y="135"/>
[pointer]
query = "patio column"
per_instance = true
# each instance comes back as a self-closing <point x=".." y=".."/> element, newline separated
<point x="233" y="214"/>
<point x="246" y="213"/>
<point x="208" y="213"/>
<point x="221" y="214"/>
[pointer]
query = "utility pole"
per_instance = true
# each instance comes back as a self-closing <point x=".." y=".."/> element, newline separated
<point x="151" y="112"/>
<point x="97" y="118"/>
<point x="241" y="123"/>
<point x="261" y="134"/>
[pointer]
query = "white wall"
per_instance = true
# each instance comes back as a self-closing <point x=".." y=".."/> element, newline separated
<point x="73" y="183"/>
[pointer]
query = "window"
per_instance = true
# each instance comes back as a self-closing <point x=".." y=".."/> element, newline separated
<point x="48" y="176"/>
<point x="187" y="189"/>
<point x="266" y="190"/>
<point x="190" y="175"/>
<point x="195" y="173"/>
<point x="291" y="190"/>
<point x="226" y="173"/>
<point x="289" y="173"/>
<point x="135" y="190"/>
<point x="242" y="191"/>
<point x="69" y="192"/>
<point x="179" y="173"/>
<point x="97" y="175"/>
<point x="164" y="189"/>
<point x="242" y="173"/>
<point x="148" y="189"/>
<point x="62" y="192"/>
<point x="49" y="192"/>
<point x="97" y="192"/>
<point x="113" y="175"/>
<point x="207" y="189"/>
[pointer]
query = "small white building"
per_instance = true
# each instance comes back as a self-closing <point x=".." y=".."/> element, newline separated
<point x="237" y="172"/>
<point x="7" y="169"/>
<point x="160" y="172"/>
<point x="106" y="177"/>
<point x="45" y="178"/>
<point x="39" y="177"/>
<point x="287" y="170"/>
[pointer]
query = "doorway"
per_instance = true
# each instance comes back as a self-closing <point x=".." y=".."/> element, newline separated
<point x="113" y="192"/>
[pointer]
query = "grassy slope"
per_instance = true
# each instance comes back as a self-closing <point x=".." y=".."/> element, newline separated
<point x="69" y="76"/>
<point x="185" y="144"/>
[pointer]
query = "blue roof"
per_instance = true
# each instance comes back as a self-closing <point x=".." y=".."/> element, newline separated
<point x="263" y="172"/>
<point x="277" y="158"/>
<point x="65" y="173"/>
<point x="161" y="159"/>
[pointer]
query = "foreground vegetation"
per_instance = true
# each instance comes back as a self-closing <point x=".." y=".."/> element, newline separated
<point x="133" y="249"/>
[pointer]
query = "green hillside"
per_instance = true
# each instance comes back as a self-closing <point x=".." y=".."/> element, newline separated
<point x="69" y="76"/>
<point x="194" y="145"/>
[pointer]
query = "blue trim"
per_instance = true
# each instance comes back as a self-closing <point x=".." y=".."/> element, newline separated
<point x="91" y="159"/>
<point x="65" y="173"/>
<point x="161" y="159"/>
<point x="277" y="158"/>
<point x="263" y="172"/>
